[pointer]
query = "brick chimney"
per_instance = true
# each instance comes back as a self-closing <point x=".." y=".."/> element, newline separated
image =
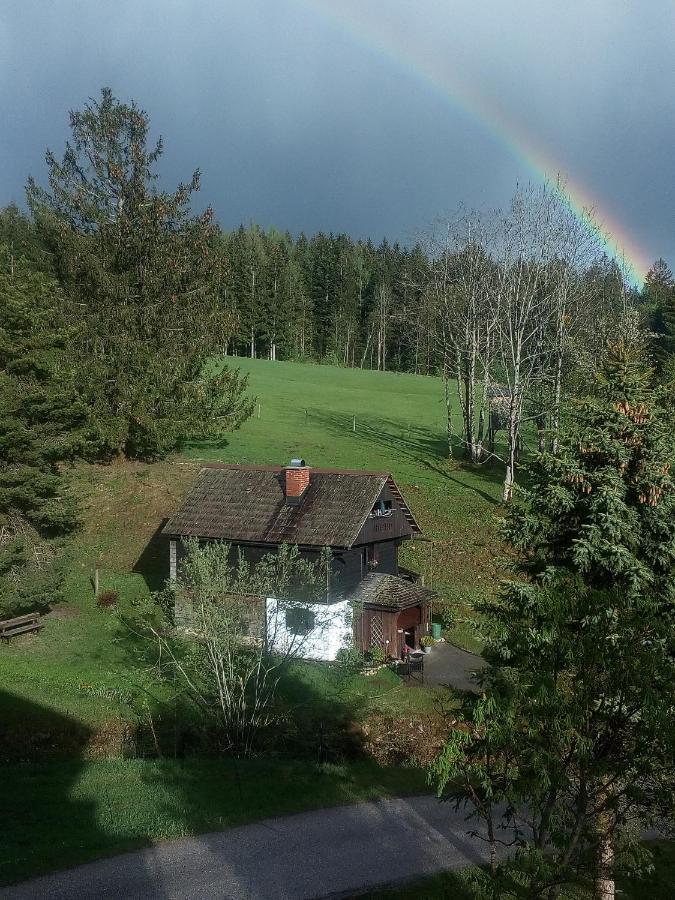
<point x="296" y="480"/>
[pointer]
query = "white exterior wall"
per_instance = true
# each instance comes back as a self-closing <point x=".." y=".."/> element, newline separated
<point x="332" y="631"/>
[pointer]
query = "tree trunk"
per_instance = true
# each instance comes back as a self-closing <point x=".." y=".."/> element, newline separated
<point x="604" y="860"/>
<point x="557" y="393"/>
<point x="604" y="872"/>
<point x="510" y="476"/>
<point x="469" y="395"/>
<point x="484" y="403"/>
<point x="448" y="409"/>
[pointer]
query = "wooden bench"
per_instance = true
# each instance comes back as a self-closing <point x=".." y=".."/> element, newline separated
<point x="10" y="627"/>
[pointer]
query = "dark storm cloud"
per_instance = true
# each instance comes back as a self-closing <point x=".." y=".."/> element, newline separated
<point x="297" y="123"/>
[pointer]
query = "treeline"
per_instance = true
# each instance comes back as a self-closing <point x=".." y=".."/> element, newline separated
<point x="332" y="299"/>
<point x="328" y="298"/>
<point x="515" y="309"/>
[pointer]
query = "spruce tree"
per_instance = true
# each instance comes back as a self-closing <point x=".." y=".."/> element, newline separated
<point x="41" y="420"/>
<point x="571" y="747"/>
<point x="142" y="275"/>
<point x="659" y="296"/>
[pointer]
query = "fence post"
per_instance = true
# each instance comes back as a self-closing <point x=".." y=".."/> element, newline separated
<point x="96" y="582"/>
<point x="354" y="424"/>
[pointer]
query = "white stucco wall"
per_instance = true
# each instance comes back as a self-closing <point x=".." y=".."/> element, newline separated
<point x="331" y="632"/>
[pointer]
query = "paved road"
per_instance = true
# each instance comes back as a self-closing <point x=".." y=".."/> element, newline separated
<point x="326" y="853"/>
<point x="447" y="664"/>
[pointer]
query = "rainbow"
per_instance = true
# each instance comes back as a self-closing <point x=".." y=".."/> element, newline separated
<point x="382" y="37"/>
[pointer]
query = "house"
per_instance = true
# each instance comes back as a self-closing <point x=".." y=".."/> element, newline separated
<point x="361" y="516"/>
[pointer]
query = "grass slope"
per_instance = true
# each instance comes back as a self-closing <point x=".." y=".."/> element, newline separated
<point x="309" y="411"/>
<point x="58" y="815"/>
<point x="78" y="686"/>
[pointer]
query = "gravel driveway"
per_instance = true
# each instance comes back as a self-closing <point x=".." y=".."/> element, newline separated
<point x="325" y="853"/>
<point x="448" y="665"/>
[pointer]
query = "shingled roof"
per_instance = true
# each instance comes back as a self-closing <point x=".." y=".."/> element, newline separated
<point x="390" y="591"/>
<point x="247" y="504"/>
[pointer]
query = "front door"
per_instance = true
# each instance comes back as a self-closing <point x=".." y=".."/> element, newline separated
<point x="407" y="626"/>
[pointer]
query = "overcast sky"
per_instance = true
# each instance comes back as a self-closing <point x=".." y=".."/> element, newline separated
<point x="320" y="115"/>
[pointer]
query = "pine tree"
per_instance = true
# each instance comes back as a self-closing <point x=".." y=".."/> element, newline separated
<point x="41" y="420"/>
<point x="575" y="733"/>
<point x="142" y="275"/>
<point x="21" y="241"/>
<point x="659" y="297"/>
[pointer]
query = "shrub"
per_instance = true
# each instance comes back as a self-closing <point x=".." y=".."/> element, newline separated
<point x="414" y="740"/>
<point x="350" y="658"/>
<point x="377" y="656"/>
<point x="446" y="614"/>
<point x="107" y="598"/>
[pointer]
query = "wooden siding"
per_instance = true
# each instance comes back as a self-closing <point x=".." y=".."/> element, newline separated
<point x="385" y="528"/>
<point x="380" y="627"/>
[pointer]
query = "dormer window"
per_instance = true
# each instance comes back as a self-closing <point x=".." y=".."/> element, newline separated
<point x="382" y="508"/>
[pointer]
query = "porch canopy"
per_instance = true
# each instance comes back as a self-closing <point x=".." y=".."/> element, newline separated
<point x="394" y="611"/>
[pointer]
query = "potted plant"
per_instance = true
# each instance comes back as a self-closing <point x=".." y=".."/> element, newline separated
<point x="427" y="643"/>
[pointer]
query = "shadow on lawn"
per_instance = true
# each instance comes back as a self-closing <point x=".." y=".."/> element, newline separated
<point x="61" y="808"/>
<point x="153" y="563"/>
<point x="41" y="761"/>
<point x="51" y="817"/>
<point x="423" y="446"/>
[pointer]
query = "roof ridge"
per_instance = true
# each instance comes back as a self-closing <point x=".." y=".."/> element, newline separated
<point x="319" y="470"/>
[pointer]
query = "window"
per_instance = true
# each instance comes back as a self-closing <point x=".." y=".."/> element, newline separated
<point x="372" y="556"/>
<point x="299" y="620"/>
<point x="381" y="508"/>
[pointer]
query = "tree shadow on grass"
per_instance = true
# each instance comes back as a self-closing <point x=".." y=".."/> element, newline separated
<point x="46" y="822"/>
<point x="61" y="810"/>
<point x="207" y="447"/>
<point x="311" y="757"/>
<point x="423" y="446"/>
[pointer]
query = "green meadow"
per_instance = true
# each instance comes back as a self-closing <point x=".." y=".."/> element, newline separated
<point x="353" y="418"/>
<point x="82" y="666"/>
<point x="80" y="687"/>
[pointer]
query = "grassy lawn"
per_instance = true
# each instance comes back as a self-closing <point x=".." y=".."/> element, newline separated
<point x="80" y="686"/>
<point x="56" y="815"/>
<point x="660" y="885"/>
<point x="80" y="666"/>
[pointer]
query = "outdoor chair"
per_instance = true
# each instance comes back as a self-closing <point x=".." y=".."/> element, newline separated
<point x="412" y="668"/>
